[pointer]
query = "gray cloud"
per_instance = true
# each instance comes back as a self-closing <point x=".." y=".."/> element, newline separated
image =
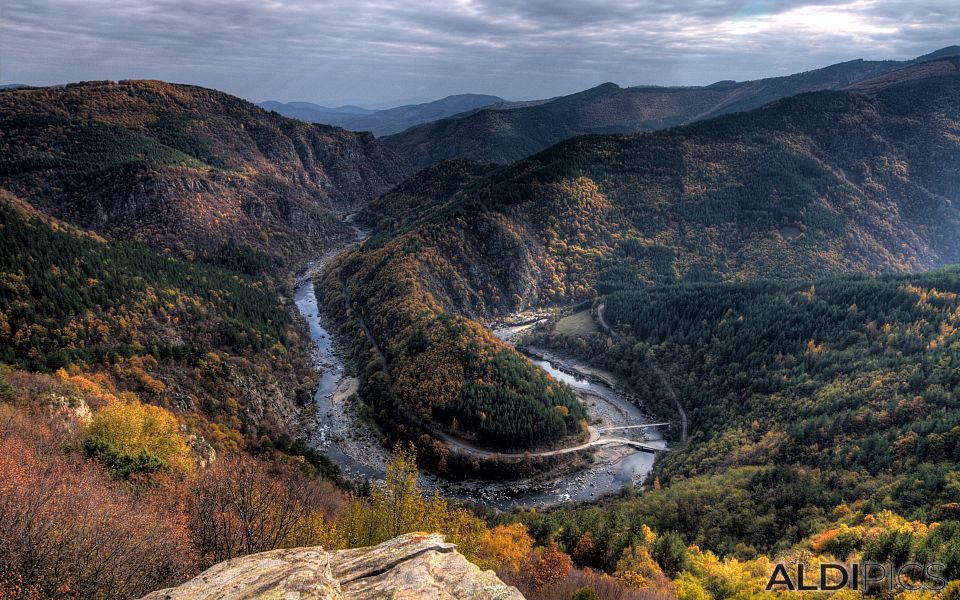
<point x="376" y="50"/>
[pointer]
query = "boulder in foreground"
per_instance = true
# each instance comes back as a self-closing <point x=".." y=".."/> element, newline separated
<point x="414" y="565"/>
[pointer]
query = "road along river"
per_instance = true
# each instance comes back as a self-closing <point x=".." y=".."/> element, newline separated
<point x="350" y="439"/>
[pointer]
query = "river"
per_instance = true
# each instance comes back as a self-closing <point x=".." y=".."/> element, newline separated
<point x="326" y="434"/>
<point x="352" y="442"/>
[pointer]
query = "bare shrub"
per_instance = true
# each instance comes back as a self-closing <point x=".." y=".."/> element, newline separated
<point x="66" y="528"/>
<point x="241" y="505"/>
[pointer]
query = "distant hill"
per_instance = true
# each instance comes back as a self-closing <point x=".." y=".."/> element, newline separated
<point x="931" y="68"/>
<point x="185" y="167"/>
<point x="391" y="120"/>
<point x="307" y="111"/>
<point x="346" y="109"/>
<point x="946" y="52"/>
<point x="502" y="135"/>
<point x="820" y="183"/>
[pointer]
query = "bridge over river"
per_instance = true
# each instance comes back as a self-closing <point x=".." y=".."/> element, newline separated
<point x="598" y="437"/>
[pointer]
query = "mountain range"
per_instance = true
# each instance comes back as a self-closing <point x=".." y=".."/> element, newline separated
<point x="151" y="231"/>
<point x="762" y="263"/>
<point x="387" y="121"/>
<point x="291" y="107"/>
<point x="859" y="179"/>
<point x="502" y="135"/>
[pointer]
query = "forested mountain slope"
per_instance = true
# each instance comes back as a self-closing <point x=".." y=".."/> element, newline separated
<point x="826" y="182"/>
<point x="185" y="167"/>
<point x="212" y="343"/>
<point x="502" y="136"/>
<point x="421" y="195"/>
<point x="808" y="402"/>
<point x="818" y="183"/>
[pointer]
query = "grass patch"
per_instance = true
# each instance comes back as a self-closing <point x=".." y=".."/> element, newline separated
<point x="580" y="323"/>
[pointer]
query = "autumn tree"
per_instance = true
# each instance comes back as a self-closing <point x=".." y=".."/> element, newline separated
<point x="65" y="526"/>
<point x="399" y="506"/>
<point x="690" y="588"/>
<point x="636" y="567"/>
<point x="130" y="437"/>
<point x="505" y="546"/>
<point x="549" y="567"/>
<point x="584" y="551"/>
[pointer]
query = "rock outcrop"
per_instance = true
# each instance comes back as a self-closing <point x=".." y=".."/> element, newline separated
<point x="411" y="566"/>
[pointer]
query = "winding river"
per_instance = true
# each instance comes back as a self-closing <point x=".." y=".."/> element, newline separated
<point x="331" y="370"/>
<point x="351" y="441"/>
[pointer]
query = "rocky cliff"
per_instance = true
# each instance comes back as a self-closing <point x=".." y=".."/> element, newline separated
<point x="410" y="566"/>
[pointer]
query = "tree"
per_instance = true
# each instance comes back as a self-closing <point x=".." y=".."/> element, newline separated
<point x="636" y="567"/>
<point x="671" y="553"/>
<point x="585" y="593"/>
<point x="6" y="390"/>
<point x="65" y="526"/>
<point x="690" y="588"/>
<point x="241" y="505"/>
<point x="951" y="592"/>
<point x="129" y="437"/>
<point x="399" y="506"/>
<point x="550" y="567"/>
<point x="399" y="500"/>
<point x="506" y="546"/>
<point x="584" y="550"/>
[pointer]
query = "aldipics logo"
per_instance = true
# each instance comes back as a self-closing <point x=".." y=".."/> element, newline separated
<point x="864" y="577"/>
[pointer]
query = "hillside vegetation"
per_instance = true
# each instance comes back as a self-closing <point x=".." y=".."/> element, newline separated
<point x="153" y="380"/>
<point x="444" y="369"/>
<point x="209" y="342"/>
<point x="827" y="182"/>
<point x="73" y="525"/>
<point x="819" y="183"/>
<point x="808" y="402"/>
<point x="186" y="168"/>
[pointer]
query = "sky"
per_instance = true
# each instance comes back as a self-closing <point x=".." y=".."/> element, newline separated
<point x="377" y="52"/>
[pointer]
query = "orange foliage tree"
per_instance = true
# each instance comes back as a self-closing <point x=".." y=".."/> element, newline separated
<point x="506" y="546"/>
<point x="549" y="567"/>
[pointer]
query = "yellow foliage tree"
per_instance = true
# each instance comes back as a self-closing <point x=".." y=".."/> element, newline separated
<point x="505" y="546"/>
<point x="728" y="577"/>
<point x="130" y="429"/>
<point x="636" y="567"/>
<point x="399" y="506"/>
<point x="690" y="588"/>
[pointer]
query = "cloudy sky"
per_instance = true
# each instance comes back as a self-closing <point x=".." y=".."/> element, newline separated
<point x="373" y="51"/>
